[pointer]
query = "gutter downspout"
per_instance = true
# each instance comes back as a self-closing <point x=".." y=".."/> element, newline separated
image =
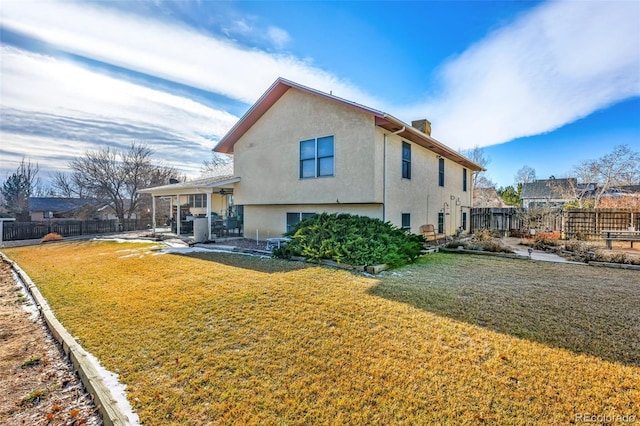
<point x="384" y="173"/>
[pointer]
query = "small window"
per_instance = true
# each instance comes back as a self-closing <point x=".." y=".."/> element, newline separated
<point x="464" y="180"/>
<point x="406" y="221"/>
<point x="441" y="172"/>
<point x="316" y="157"/>
<point x="464" y="221"/>
<point x="440" y="223"/>
<point x="294" y="218"/>
<point x="406" y="160"/>
<point x="197" y="200"/>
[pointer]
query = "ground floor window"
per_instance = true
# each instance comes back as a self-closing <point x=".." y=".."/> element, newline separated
<point x="198" y="200"/>
<point x="294" y="218"/>
<point x="406" y="221"/>
<point x="464" y="221"/>
<point x="440" y="223"/>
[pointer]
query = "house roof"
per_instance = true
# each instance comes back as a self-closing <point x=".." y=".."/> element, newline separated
<point x="53" y="204"/>
<point x="382" y="119"/>
<point x="196" y="185"/>
<point x="547" y="188"/>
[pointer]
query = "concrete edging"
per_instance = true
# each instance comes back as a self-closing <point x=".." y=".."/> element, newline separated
<point x="93" y="382"/>
<point x="615" y="265"/>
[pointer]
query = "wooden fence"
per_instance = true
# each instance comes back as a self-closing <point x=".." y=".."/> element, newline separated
<point x="504" y="220"/>
<point x="572" y="223"/>
<point x="587" y="223"/>
<point x="12" y="231"/>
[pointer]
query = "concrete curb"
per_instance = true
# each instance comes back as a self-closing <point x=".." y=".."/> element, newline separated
<point x="615" y="265"/>
<point x="92" y="380"/>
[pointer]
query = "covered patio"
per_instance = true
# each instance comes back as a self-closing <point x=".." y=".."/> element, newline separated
<point x="202" y="208"/>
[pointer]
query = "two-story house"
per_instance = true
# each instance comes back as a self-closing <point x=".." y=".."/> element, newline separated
<point x="299" y="151"/>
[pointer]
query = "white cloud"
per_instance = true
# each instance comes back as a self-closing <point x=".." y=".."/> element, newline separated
<point x="167" y="50"/>
<point x="553" y="65"/>
<point x="66" y="109"/>
<point x="278" y="36"/>
<point x="550" y="67"/>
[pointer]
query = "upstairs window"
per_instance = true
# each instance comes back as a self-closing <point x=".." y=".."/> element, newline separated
<point x="441" y="172"/>
<point x="316" y="157"/>
<point x="406" y="160"/>
<point x="464" y="180"/>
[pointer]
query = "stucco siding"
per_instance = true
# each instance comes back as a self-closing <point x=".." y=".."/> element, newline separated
<point x="367" y="177"/>
<point x="422" y="196"/>
<point x="271" y="221"/>
<point x="267" y="156"/>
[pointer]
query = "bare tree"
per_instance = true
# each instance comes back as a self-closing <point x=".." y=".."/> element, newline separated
<point x="618" y="168"/>
<point x="117" y="176"/>
<point x="525" y="174"/>
<point x="68" y="185"/>
<point x="218" y="165"/>
<point x="18" y="187"/>
<point x="478" y="156"/>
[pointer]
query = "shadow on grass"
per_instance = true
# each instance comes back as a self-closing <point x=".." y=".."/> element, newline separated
<point x="583" y="309"/>
<point x="255" y="263"/>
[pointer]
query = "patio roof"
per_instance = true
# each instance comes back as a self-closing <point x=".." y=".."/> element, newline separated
<point x="196" y="186"/>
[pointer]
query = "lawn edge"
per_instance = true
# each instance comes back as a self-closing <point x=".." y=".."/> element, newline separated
<point x="108" y="407"/>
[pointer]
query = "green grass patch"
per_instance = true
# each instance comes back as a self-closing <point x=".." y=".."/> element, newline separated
<point x="35" y="397"/>
<point x="31" y="362"/>
<point x="222" y="339"/>
<point x="583" y="309"/>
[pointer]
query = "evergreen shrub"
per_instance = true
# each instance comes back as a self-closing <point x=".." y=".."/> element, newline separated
<point x="351" y="239"/>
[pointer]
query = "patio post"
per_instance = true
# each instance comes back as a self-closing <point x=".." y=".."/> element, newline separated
<point x="209" y="214"/>
<point x="178" y="215"/>
<point x="153" y="214"/>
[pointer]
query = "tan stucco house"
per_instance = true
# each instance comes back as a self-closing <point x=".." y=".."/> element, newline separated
<point x="299" y="151"/>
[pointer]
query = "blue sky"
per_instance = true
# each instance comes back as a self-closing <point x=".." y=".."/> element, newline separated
<point x="543" y="84"/>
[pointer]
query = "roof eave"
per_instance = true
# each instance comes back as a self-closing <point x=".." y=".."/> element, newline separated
<point x="392" y="124"/>
<point x="266" y="101"/>
<point x="386" y="121"/>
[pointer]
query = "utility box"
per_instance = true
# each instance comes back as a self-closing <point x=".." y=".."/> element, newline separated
<point x="200" y="229"/>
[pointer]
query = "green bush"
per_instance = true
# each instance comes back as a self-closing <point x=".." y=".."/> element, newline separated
<point x="350" y="239"/>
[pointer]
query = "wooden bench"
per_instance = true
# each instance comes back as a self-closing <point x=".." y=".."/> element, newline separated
<point x="610" y="235"/>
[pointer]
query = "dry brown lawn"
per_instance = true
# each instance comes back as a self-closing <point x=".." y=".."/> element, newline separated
<point x="226" y="339"/>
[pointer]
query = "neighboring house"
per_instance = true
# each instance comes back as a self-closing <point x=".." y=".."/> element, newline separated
<point x="550" y="192"/>
<point x="487" y="197"/>
<point x="299" y="151"/>
<point x="108" y="212"/>
<point x="45" y="208"/>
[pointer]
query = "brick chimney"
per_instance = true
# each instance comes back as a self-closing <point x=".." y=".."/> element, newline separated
<point x="423" y="125"/>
